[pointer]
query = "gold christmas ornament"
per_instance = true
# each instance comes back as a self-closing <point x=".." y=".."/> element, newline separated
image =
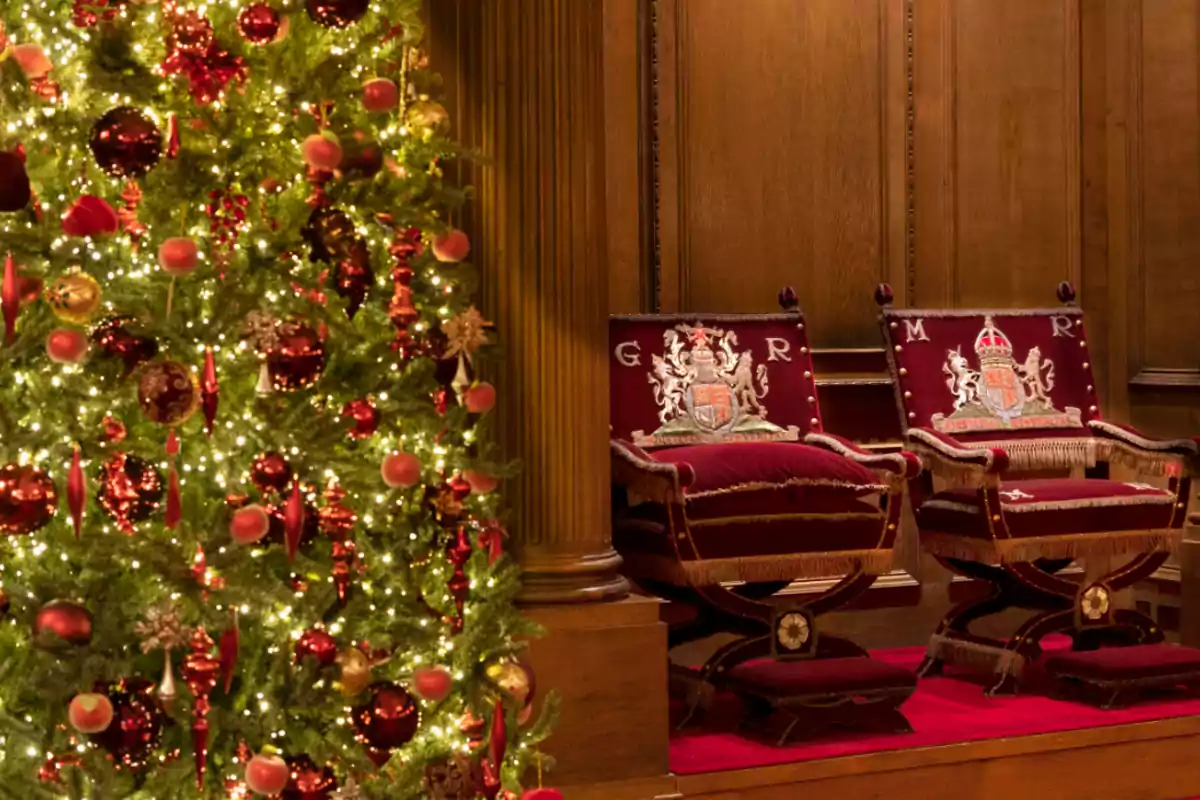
<point x="75" y="297"/>
<point x="356" y="670"/>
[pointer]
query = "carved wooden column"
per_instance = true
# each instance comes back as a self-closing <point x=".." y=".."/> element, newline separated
<point x="525" y="85"/>
<point x="542" y="229"/>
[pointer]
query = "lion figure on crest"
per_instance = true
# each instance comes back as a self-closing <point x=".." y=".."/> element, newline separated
<point x="962" y="381"/>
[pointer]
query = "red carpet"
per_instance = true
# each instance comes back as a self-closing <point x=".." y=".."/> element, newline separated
<point x="942" y="711"/>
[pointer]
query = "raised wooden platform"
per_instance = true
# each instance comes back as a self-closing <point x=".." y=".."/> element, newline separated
<point x="1143" y="761"/>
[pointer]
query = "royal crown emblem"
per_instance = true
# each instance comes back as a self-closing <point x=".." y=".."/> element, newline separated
<point x="1001" y="394"/>
<point x="706" y="391"/>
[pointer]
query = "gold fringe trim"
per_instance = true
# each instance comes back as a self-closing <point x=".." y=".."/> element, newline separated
<point x="955" y="473"/>
<point x="976" y="655"/>
<point x="1071" y="545"/>
<point x="1048" y="453"/>
<point x="758" y="486"/>
<point x="719" y="521"/>
<point x="753" y="569"/>
<point x="1089" y="502"/>
<point x="874" y="461"/>
<point x="1145" y="462"/>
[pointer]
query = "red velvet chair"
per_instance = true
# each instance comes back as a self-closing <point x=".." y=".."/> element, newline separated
<point x="726" y="490"/>
<point x="992" y="401"/>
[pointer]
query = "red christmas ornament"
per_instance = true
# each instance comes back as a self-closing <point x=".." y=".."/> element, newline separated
<point x="227" y="648"/>
<point x="76" y="492"/>
<point x="61" y="622"/>
<point x="267" y="774"/>
<point x="66" y="346"/>
<point x="497" y="746"/>
<point x="178" y="256"/>
<point x="352" y="280"/>
<point x="193" y="51"/>
<point x="363" y="416"/>
<point x="319" y="645"/>
<point x="114" y="340"/>
<point x="126" y="143"/>
<point x="259" y="23"/>
<point x="88" y="13"/>
<point x="271" y="472"/>
<point x="432" y="683"/>
<point x="131" y="490"/>
<point x="389" y="719"/>
<point x="401" y="470"/>
<point x="114" y="431"/>
<point x="90" y="216"/>
<point x="210" y="391"/>
<point x="10" y="298"/>
<point x="201" y="671"/>
<point x="306" y="781"/>
<point x="249" y="525"/>
<point x="401" y="310"/>
<point x="451" y="247"/>
<point x="90" y="712"/>
<point x="380" y="94"/>
<point x="298" y="359"/>
<point x="28" y="499"/>
<point x="136" y="729"/>
<point x="480" y="398"/>
<point x="322" y="151"/>
<point x="459" y="552"/>
<point x="174" y="512"/>
<point x="167" y="393"/>
<point x="309" y="531"/>
<point x="336" y="13"/>
<point x="492" y="540"/>
<point x="15" y="190"/>
<point x="293" y="521"/>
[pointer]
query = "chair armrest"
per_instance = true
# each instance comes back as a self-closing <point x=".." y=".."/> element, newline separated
<point x="902" y="464"/>
<point x="1142" y="451"/>
<point x="646" y="478"/>
<point x="949" y="457"/>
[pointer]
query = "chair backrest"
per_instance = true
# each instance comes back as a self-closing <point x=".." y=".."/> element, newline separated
<point x="992" y="375"/>
<point x="679" y="379"/>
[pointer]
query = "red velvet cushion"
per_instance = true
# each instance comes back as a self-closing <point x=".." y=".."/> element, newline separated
<point x="787" y="679"/>
<point x="809" y="469"/>
<point x="1140" y="662"/>
<point x="756" y="499"/>
<point x="1052" y="506"/>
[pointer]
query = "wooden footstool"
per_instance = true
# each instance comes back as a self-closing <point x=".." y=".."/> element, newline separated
<point x="1116" y="676"/>
<point x="787" y="700"/>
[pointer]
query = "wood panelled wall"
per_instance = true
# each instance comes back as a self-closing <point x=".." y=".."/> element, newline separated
<point x="969" y="152"/>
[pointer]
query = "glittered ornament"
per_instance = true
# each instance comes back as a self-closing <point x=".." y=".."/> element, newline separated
<point x="191" y="33"/>
<point x="516" y="680"/>
<point x="74" y="297"/>
<point x="137" y="725"/>
<point x="112" y="431"/>
<point x="201" y="670"/>
<point x="28" y="499"/>
<point x="259" y="23"/>
<point x="428" y="114"/>
<point x="168" y="393"/>
<point x="298" y="360"/>
<point x="114" y="340"/>
<point x="363" y="417"/>
<point x="307" y="781"/>
<point x="387" y="720"/>
<point x="336" y="13"/>
<point x="271" y="472"/>
<point x="317" y="645"/>
<point x="126" y="143"/>
<point x="62" y="623"/>
<point x="352" y="279"/>
<point x="355" y="671"/>
<point x="15" y="190"/>
<point x="130" y="490"/>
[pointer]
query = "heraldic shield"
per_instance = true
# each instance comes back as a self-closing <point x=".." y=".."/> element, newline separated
<point x="726" y="489"/>
<point x="1001" y="406"/>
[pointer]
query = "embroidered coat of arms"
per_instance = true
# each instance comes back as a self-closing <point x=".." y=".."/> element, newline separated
<point x="1002" y="393"/>
<point x="708" y="391"/>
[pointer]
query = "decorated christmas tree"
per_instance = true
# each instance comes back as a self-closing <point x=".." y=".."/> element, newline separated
<point x="250" y="543"/>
